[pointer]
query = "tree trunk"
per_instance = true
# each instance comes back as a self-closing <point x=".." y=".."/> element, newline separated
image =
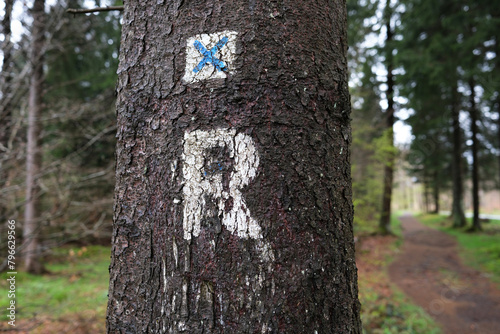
<point x="233" y="205"/>
<point x="436" y="190"/>
<point x="497" y="51"/>
<point x="426" y="192"/>
<point x="385" y="217"/>
<point x="476" y="223"/>
<point x="5" y="75"/>
<point x="5" y="102"/>
<point x="32" y="221"/>
<point x="457" y="211"/>
<point x="498" y="133"/>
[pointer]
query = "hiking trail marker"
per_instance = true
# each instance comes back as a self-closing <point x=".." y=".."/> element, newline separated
<point x="210" y="56"/>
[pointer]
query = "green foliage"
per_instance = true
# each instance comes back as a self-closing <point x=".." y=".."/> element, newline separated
<point x="441" y="46"/>
<point x="82" y="62"/>
<point x="367" y="174"/>
<point x="80" y="125"/>
<point x="384" y="149"/>
<point x="367" y="153"/>
<point x="369" y="157"/>
<point x="395" y="316"/>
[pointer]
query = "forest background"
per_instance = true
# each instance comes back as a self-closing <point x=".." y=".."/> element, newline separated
<point x="428" y="69"/>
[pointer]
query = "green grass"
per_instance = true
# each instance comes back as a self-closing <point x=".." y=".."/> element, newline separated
<point x="394" y="315"/>
<point x="396" y="224"/>
<point x="480" y="250"/>
<point x="78" y="280"/>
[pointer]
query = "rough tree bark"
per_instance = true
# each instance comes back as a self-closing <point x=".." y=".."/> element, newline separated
<point x="32" y="210"/>
<point x="457" y="210"/>
<point x="233" y="208"/>
<point x="385" y="216"/>
<point x="476" y="223"/>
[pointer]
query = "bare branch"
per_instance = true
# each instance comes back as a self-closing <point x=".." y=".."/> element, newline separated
<point x="94" y="10"/>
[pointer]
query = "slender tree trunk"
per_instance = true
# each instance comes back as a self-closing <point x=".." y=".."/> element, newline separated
<point x="5" y="75"/>
<point x="498" y="134"/>
<point x="5" y="102"/>
<point x="457" y="211"/>
<point x="436" y="191"/>
<point x="426" y="192"/>
<point x="233" y="208"/>
<point x="32" y="222"/>
<point x="385" y="217"/>
<point x="497" y="48"/>
<point x="476" y="223"/>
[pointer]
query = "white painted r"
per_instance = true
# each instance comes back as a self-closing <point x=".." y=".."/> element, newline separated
<point x="198" y="184"/>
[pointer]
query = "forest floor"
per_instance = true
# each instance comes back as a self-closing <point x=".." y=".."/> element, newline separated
<point x="429" y="271"/>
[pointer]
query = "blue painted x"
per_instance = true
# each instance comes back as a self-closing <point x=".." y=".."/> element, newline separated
<point x="209" y="56"/>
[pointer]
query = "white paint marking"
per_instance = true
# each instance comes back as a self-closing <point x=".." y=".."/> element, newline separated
<point x="226" y="54"/>
<point x="176" y="252"/>
<point x="197" y="184"/>
<point x="173" y="167"/>
<point x="164" y="276"/>
<point x="203" y="180"/>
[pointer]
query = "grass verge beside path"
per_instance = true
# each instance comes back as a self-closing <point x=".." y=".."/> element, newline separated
<point x="480" y="250"/>
<point x="384" y="308"/>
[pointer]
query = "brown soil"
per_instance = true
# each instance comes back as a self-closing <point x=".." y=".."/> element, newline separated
<point x="86" y="322"/>
<point x="429" y="270"/>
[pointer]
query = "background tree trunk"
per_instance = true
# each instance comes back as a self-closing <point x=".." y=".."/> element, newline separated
<point x="270" y="141"/>
<point x="385" y="216"/>
<point x="457" y="210"/>
<point x="32" y="219"/>
<point x="436" y="190"/>
<point x="497" y="67"/>
<point x="5" y="102"/>
<point x="476" y="223"/>
<point x="426" y="193"/>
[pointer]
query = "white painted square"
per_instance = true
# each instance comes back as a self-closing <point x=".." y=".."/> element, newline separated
<point x="225" y="54"/>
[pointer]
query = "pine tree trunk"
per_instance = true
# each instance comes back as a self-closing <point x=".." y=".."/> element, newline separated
<point x="233" y="208"/>
<point x="498" y="135"/>
<point x="476" y="223"/>
<point x="457" y="211"/>
<point x="5" y="76"/>
<point x="426" y="192"/>
<point x="497" y="48"/>
<point x="385" y="217"/>
<point x="32" y="220"/>
<point x="5" y="102"/>
<point x="436" y="191"/>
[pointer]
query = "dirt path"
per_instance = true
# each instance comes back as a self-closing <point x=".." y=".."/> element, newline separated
<point x="428" y="270"/>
